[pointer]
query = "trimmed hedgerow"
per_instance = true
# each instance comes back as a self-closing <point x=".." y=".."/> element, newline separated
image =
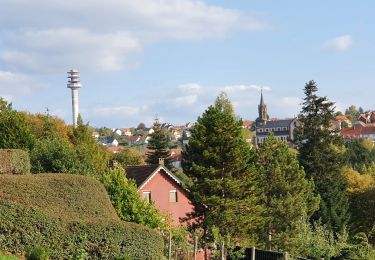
<point x="14" y="161"/>
<point x="71" y="217"/>
<point x="23" y="227"/>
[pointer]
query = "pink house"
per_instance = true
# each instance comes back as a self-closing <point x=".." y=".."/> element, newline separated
<point x="156" y="183"/>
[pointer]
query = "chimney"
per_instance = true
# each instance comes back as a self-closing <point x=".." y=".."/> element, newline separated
<point x="161" y="161"/>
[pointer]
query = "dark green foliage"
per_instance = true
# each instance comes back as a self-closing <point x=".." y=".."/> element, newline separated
<point x="71" y="216"/>
<point x="221" y="166"/>
<point x="14" y="161"/>
<point x="14" y="132"/>
<point x="362" y="205"/>
<point x="128" y="203"/>
<point x="37" y="253"/>
<point x="288" y="197"/>
<point x="321" y="155"/>
<point x="79" y="154"/>
<point x="360" y="153"/>
<point x="158" y="146"/>
<point x="55" y="155"/>
<point x="128" y="156"/>
<point x="23" y="227"/>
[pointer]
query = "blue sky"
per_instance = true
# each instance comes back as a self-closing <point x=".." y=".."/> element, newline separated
<point x="170" y="58"/>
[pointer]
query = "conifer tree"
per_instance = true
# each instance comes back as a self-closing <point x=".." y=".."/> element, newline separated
<point x="158" y="146"/>
<point x="288" y="197"/>
<point x="321" y="155"/>
<point x="221" y="166"/>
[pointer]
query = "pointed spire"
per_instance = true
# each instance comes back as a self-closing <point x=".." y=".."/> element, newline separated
<point x="261" y="97"/>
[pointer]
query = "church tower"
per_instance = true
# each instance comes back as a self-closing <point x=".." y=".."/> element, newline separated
<point x="262" y="110"/>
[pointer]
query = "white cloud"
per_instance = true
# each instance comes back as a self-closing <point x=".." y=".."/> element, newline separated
<point x="63" y="48"/>
<point x="169" y="18"/>
<point x="190" y="88"/>
<point x="231" y="89"/>
<point x="118" y="111"/>
<point x="100" y="35"/>
<point x="184" y="101"/>
<point x="340" y="43"/>
<point x="15" y="84"/>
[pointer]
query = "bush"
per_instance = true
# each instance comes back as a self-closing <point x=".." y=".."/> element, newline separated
<point x="14" y="161"/>
<point x="70" y="215"/>
<point x="37" y="253"/>
<point x="22" y="227"/>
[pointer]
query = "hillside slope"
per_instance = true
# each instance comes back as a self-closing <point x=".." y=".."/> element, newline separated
<point x="72" y="216"/>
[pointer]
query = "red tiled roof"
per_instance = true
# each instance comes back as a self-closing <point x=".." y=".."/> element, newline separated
<point x="113" y="149"/>
<point x="247" y="123"/>
<point x="351" y="132"/>
<point x="341" y="118"/>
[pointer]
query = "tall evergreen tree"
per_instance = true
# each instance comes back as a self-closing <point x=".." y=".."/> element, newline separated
<point x="221" y="166"/>
<point x="158" y="146"/>
<point x="288" y="196"/>
<point x="320" y="153"/>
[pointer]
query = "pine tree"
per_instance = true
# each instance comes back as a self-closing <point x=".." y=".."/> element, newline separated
<point x="221" y="166"/>
<point x="321" y="155"/>
<point x="158" y="146"/>
<point x="288" y="197"/>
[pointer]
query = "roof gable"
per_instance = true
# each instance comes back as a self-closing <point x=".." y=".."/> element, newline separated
<point x="144" y="173"/>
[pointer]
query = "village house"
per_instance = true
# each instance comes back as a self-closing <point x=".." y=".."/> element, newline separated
<point x="156" y="183"/>
<point x="126" y="131"/>
<point x="341" y="122"/>
<point x="176" y="157"/>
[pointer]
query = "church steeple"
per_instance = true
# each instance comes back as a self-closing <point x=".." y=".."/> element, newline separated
<point x="262" y="109"/>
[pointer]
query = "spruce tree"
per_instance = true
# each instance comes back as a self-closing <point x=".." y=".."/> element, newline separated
<point x="320" y="153"/>
<point x="288" y="197"/>
<point x="158" y="146"/>
<point x="221" y="166"/>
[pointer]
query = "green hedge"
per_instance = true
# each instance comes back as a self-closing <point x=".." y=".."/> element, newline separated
<point x="22" y="228"/>
<point x="14" y="161"/>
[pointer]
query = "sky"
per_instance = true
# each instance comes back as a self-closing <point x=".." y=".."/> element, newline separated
<point x="171" y="58"/>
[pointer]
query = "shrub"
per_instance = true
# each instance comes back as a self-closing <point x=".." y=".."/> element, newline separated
<point x="14" y="161"/>
<point x="23" y="227"/>
<point x="37" y="253"/>
<point x="70" y="215"/>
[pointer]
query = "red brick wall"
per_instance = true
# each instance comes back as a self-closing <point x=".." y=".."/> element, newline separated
<point x="159" y="186"/>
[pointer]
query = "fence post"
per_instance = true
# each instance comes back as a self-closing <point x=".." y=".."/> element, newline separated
<point x="253" y="253"/>
<point x="222" y="251"/>
<point x="286" y="256"/>
<point x="195" y="246"/>
<point x="170" y="246"/>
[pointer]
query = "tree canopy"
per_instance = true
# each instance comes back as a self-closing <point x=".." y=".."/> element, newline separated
<point x="288" y="197"/>
<point x="321" y="154"/>
<point x="14" y="131"/>
<point x="158" y="146"/>
<point x="221" y="166"/>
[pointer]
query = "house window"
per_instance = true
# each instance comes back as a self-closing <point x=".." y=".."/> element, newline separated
<point x="173" y="196"/>
<point x="146" y="196"/>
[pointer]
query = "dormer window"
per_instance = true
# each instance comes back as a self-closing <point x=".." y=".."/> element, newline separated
<point x="173" y="196"/>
